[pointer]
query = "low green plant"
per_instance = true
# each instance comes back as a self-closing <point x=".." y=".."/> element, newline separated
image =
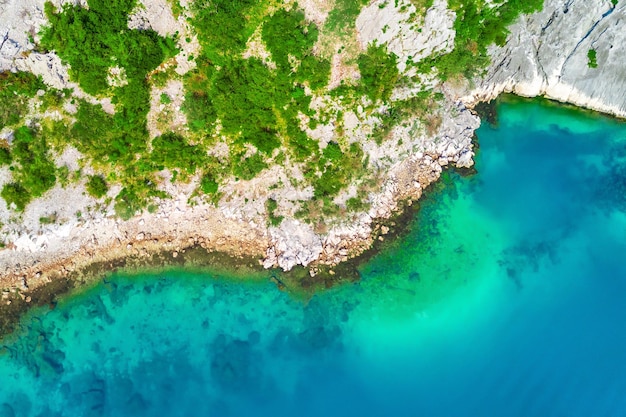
<point x="208" y="184"/>
<point x="172" y="151"/>
<point x="33" y="169"/>
<point x="16" y="89"/>
<point x="51" y="219"/>
<point x="5" y="155"/>
<point x="97" y="186"/>
<point x="379" y="73"/>
<point x="272" y="205"/>
<point x="592" y="59"/>
<point x="15" y="193"/>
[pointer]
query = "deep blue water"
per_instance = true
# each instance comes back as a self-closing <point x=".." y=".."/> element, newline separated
<point x="507" y="298"/>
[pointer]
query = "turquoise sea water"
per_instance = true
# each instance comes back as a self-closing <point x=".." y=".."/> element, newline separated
<point x="507" y="298"/>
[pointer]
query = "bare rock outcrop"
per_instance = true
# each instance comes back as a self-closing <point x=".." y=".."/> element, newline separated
<point x="547" y="55"/>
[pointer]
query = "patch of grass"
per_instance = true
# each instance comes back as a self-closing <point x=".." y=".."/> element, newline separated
<point x="94" y="39"/>
<point x="337" y="169"/>
<point x="247" y="168"/>
<point x="165" y="99"/>
<point x="287" y="33"/>
<point x="342" y="18"/>
<point x="209" y="184"/>
<point x="592" y="57"/>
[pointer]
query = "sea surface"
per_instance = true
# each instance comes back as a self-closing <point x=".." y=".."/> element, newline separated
<point x="506" y="298"/>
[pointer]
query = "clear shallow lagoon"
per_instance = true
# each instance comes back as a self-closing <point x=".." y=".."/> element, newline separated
<point x="507" y="298"/>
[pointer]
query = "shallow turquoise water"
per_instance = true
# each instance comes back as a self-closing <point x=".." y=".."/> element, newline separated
<point x="505" y="299"/>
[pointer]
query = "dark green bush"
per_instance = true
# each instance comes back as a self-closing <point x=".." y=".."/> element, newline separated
<point x="379" y="73"/>
<point x="592" y="59"/>
<point x="5" y="156"/>
<point x="208" y="184"/>
<point x="35" y="171"/>
<point x="16" y="193"/>
<point x="288" y="33"/>
<point x="97" y="186"/>
<point x="271" y="205"/>
<point x="248" y="168"/>
<point x="172" y="151"/>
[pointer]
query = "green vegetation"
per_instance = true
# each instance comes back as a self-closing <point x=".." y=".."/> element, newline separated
<point x="51" y="219"/>
<point x="342" y="18"/>
<point x="254" y="105"/>
<point x="379" y="73"/>
<point x="16" y="89"/>
<point x="97" y="186"/>
<point x="34" y="172"/>
<point x="15" y="193"/>
<point x="271" y="205"/>
<point x="592" y="59"/>
<point x="96" y="39"/>
<point x="172" y="151"/>
<point x="208" y="184"/>
<point x="337" y="169"/>
<point x="257" y="108"/>
<point x="5" y="155"/>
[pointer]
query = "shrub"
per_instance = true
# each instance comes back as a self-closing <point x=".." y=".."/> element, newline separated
<point x="248" y="168"/>
<point x="16" y="193"/>
<point x="5" y="156"/>
<point x="271" y="205"/>
<point x="208" y="184"/>
<point x="379" y="73"/>
<point x="15" y="91"/>
<point x="35" y="170"/>
<point x="172" y="151"/>
<point x="97" y="186"/>
<point x="288" y="33"/>
<point x="592" y="59"/>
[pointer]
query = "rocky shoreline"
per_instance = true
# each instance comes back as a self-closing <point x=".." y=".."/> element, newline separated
<point x="541" y="58"/>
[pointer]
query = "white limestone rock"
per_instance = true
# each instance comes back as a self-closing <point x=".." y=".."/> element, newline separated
<point x="546" y="54"/>
<point x="293" y="243"/>
<point x="409" y="38"/>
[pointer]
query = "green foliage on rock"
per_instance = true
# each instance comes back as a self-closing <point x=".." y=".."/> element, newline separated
<point x="5" y="155"/>
<point x="208" y="184"/>
<point x="592" y="59"/>
<point x="97" y="186"/>
<point x="337" y="169"/>
<point x="34" y="169"/>
<point x="172" y="151"/>
<point x="223" y="26"/>
<point x="287" y="33"/>
<point x="15" y="193"/>
<point x="95" y="39"/>
<point x="272" y="205"/>
<point x="379" y="73"/>
<point x="16" y="89"/>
